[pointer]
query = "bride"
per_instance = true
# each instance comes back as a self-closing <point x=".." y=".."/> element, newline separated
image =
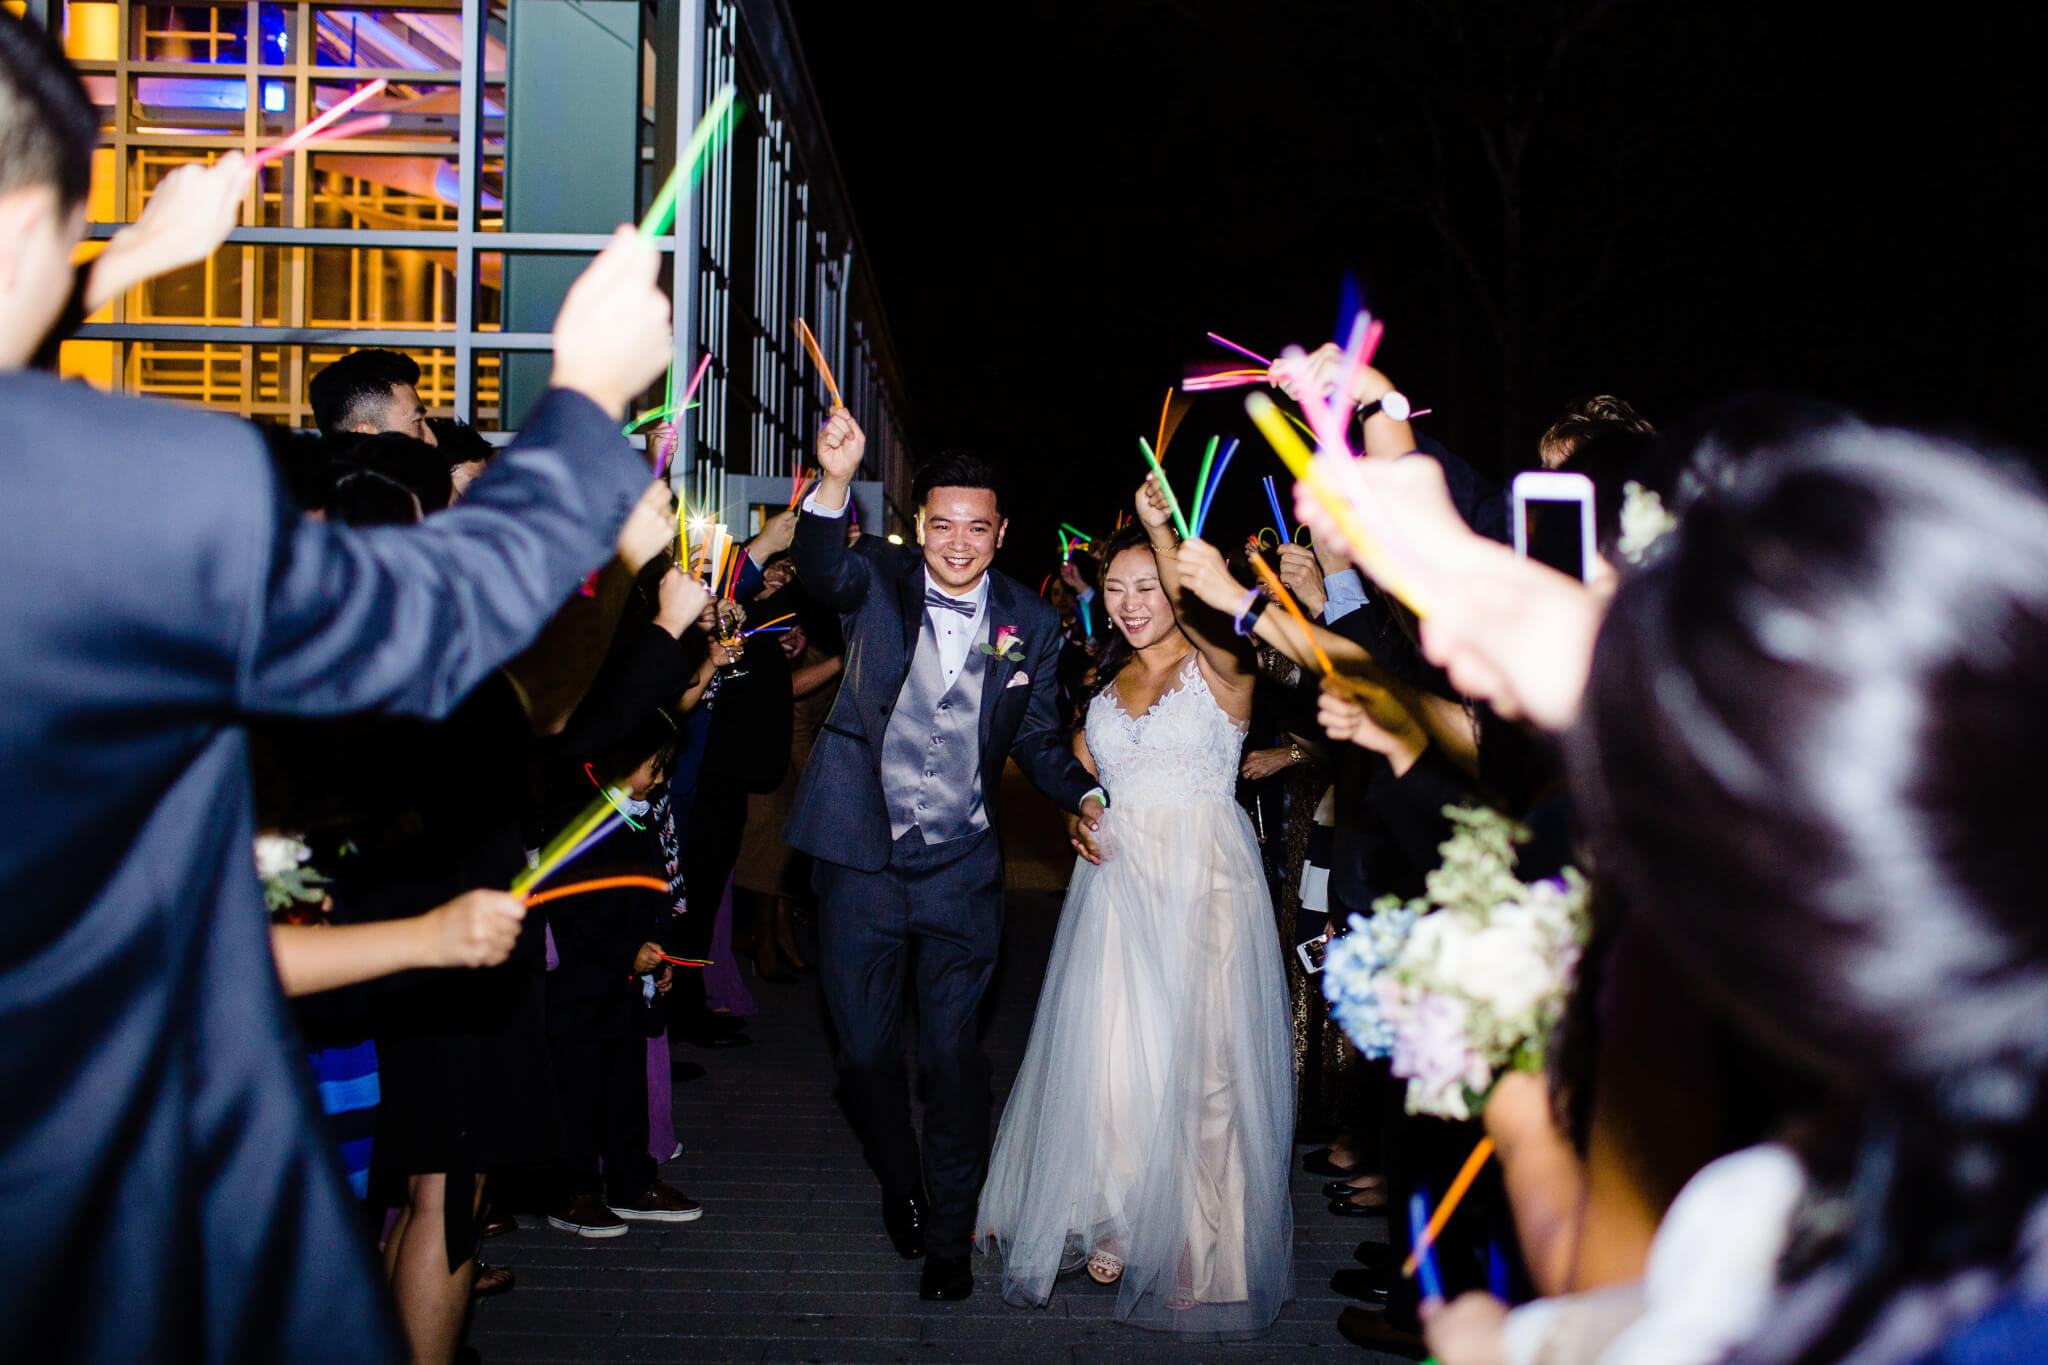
<point x="1148" y="1136"/>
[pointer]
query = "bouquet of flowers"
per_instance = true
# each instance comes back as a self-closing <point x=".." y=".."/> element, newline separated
<point x="289" y="885"/>
<point x="1467" y="981"/>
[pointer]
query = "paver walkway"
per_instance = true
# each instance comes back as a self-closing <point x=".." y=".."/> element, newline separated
<point x="790" y="1263"/>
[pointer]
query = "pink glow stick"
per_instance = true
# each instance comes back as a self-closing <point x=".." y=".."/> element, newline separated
<point x="338" y="133"/>
<point x="1231" y="345"/>
<point x="311" y="130"/>
<point x="696" y="378"/>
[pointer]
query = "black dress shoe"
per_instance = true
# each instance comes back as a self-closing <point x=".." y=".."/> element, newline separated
<point x="1372" y="1331"/>
<point x="1369" y="1287"/>
<point x="1344" y="1189"/>
<point x="903" y="1216"/>
<point x="1373" y="1205"/>
<point x="1318" y="1163"/>
<point x="946" y="1279"/>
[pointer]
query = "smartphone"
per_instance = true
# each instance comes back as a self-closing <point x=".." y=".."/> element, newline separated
<point x="1312" y="952"/>
<point x="1553" y="515"/>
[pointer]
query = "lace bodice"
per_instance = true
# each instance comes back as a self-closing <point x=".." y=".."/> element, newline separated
<point x="1184" y="749"/>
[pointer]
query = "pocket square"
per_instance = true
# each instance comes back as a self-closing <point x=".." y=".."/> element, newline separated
<point x="1018" y="679"/>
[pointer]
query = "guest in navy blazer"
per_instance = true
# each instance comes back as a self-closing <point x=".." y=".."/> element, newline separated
<point x="162" y="1166"/>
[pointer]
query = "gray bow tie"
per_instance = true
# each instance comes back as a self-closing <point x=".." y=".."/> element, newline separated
<point x="966" y="606"/>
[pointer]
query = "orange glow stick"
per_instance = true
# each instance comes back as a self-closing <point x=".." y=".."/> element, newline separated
<point x="810" y="342"/>
<point x="1466" y="1175"/>
<point x="1279" y="590"/>
<point x="556" y="893"/>
<point x="311" y="130"/>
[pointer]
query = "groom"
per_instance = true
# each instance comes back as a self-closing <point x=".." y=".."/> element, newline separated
<point x="949" y="668"/>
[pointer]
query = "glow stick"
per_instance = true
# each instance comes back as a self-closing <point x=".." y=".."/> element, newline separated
<point x="598" y="884"/>
<point x="598" y="836"/>
<point x="810" y="342"/>
<point x="569" y="841"/>
<point x="1066" y="548"/>
<point x="341" y="133"/>
<point x="1209" y="499"/>
<point x="1080" y="536"/>
<point x="714" y="125"/>
<point x="1369" y="551"/>
<point x="1279" y="519"/>
<point x="687" y="961"/>
<point x="311" y="130"/>
<point x="1418" y="1215"/>
<point x="1169" y="422"/>
<point x="786" y="616"/>
<point x="1419" y="1256"/>
<point x="1231" y="345"/>
<point x="1286" y="599"/>
<point x="1202" y="481"/>
<point x="1165" y="489"/>
<point x="1087" y="624"/>
<point x="1222" y="379"/>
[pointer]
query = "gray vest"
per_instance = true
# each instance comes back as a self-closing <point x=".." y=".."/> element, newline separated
<point x="931" y="752"/>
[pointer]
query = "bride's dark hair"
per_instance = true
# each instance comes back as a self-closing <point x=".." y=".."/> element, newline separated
<point x="1811" y="756"/>
<point x="1116" y="650"/>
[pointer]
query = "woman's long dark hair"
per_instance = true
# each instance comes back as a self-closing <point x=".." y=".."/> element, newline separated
<point x="1811" y="755"/>
<point x="1116" y="650"/>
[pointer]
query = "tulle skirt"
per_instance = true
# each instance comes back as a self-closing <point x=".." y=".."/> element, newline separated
<point x="1153" y="1116"/>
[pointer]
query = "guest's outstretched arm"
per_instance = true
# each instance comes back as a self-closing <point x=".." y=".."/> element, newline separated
<point x="1228" y="655"/>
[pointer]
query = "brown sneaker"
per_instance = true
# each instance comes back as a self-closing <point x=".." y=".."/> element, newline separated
<point x="586" y="1216"/>
<point x="659" y="1203"/>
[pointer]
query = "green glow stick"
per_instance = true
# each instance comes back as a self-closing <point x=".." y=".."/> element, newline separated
<point x="1202" y="479"/>
<point x="717" y="121"/>
<point x="1166" y="489"/>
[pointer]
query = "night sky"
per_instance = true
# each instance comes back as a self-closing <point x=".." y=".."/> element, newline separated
<point x="1059" y="198"/>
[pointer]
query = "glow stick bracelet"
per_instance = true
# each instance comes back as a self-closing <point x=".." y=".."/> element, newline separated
<point x="1231" y="345"/>
<point x="1365" y="548"/>
<point x="1260" y="539"/>
<point x="312" y="130"/>
<point x="1286" y="598"/>
<point x="1165" y="488"/>
<point x="1202" y="481"/>
<point x="1279" y="518"/>
<point x="555" y="854"/>
<point x="1419" y="1257"/>
<point x="810" y="342"/>
<point x="713" y="125"/>
<point x="1202" y="512"/>
<point x="590" y="771"/>
<point x="1418" y="1214"/>
<point x="599" y="884"/>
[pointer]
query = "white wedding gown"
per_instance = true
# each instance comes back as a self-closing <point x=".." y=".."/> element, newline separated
<point x="1153" y="1117"/>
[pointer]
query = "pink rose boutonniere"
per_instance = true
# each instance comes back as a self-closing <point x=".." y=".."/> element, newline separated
<point x="1007" y="646"/>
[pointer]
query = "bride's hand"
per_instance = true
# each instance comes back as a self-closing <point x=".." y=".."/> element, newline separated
<point x="1154" y="512"/>
<point x="1081" y="833"/>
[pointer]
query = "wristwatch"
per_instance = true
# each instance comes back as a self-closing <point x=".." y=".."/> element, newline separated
<point x="1393" y="403"/>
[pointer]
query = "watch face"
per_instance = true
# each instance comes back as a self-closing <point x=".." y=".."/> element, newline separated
<point x="1395" y="405"/>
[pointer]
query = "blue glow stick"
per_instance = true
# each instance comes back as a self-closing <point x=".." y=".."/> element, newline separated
<point x="1279" y="517"/>
<point x="1209" y="493"/>
<point x="597" y="836"/>
<point x="1087" y="626"/>
<point x="1418" y="1224"/>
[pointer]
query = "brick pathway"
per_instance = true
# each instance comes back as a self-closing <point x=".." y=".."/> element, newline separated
<point x="790" y="1263"/>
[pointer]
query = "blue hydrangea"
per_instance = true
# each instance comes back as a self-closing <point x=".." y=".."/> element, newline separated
<point x="1348" y="969"/>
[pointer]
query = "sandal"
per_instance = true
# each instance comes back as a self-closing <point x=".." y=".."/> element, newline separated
<point x="1103" y="1268"/>
<point x="491" y="1279"/>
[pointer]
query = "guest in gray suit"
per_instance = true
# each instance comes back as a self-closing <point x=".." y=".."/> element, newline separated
<point x="950" y="668"/>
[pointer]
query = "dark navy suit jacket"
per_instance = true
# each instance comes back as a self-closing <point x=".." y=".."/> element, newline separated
<point x="171" y="1190"/>
<point x="841" y="815"/>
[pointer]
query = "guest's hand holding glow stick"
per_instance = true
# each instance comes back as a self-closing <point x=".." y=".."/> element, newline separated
<point x="189" y="214"/>
<point x="645" y="534"/>
<point x="681" y="600"/>
<point x="612" y="333"/>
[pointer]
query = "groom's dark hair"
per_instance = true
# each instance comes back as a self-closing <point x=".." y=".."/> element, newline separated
<point x="956" y="469"/>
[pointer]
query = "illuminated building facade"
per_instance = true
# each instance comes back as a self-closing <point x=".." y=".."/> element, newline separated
<point x="521" y="132"/>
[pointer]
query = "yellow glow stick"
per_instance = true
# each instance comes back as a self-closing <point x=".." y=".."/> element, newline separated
<point x="1368" y="549"/>
<point x="563" y="844"/>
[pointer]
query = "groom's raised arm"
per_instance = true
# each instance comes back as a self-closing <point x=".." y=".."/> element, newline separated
<point x="828" y="568"/>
